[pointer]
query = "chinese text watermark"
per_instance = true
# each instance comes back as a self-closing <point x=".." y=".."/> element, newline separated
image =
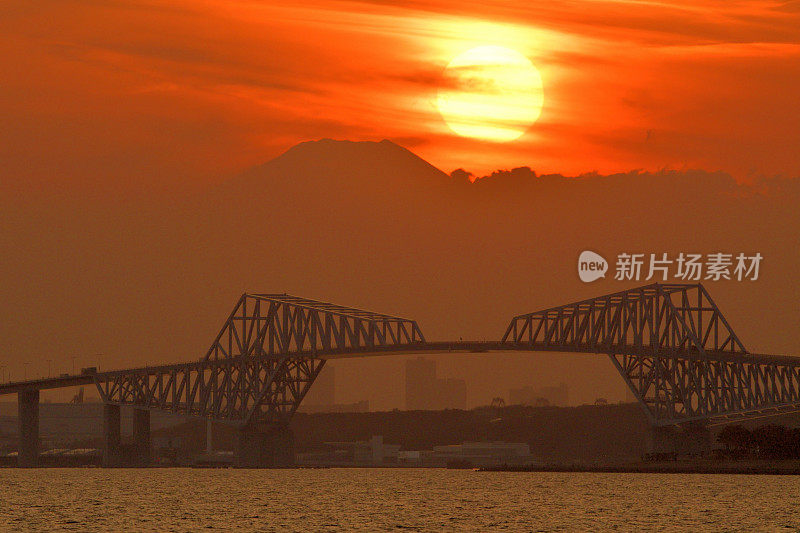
<point x="662" y="267"/>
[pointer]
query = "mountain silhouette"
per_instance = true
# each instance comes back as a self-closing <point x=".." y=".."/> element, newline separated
<point x="372" y="225"/>
<point x="326" y="172"/>
<point x="362" y="163"/>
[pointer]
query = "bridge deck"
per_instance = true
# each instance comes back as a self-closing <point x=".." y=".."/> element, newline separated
<point x="670" y="343"/>
<point x="74" y="380"/>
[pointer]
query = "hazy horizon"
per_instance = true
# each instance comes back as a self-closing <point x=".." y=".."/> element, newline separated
<point x="374" y="226"/>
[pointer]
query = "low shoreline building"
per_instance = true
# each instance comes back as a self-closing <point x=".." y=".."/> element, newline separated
<point x="374" y="452"/>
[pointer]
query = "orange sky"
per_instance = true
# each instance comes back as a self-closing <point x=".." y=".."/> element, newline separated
<point x="127" y="95"/>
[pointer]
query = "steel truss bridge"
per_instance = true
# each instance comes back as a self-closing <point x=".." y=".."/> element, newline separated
<point x="670" y="343"/>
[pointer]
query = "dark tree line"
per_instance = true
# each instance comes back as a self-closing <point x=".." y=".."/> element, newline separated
<point x="765" y="442"/>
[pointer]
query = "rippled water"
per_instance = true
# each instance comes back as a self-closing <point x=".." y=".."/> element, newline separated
<point x="390" y="499"/>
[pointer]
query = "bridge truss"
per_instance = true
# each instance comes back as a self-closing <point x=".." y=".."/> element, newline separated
<point x="673" y="347"/>
<point x="263" y="361"/>
<point x="671" y="344"/>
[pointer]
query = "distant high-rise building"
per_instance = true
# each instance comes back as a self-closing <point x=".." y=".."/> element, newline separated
<point x="420" y="383"/>
<point x="321" y="397"/>
<point x="425" y="391"/>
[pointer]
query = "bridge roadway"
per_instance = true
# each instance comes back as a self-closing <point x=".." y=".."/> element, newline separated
<point x="436" y="347"/>
<point x="670" y="343"/>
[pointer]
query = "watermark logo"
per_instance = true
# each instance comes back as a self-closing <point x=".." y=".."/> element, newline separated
<point x="591" y="266"/>
<point x="661" y="267"/>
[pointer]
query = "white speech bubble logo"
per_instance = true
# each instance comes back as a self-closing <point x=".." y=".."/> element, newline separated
<point x="591" y="266"/>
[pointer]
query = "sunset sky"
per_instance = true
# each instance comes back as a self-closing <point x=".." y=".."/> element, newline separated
<point x="127" y="95"/>
<point x="141" y="173"/>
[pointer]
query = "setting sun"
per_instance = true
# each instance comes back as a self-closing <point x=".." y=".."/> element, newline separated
<point x="490" y="92"/>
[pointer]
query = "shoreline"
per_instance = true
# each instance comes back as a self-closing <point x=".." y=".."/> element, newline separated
<point x="748" y="468"/>
<point x="788" y="468"/>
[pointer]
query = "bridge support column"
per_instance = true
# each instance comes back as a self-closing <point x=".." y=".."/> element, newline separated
<point x="112" y="450"/>
<point x="141" y="437"/>
<point x="28" y="413"/>
<point x="265" y="448"/>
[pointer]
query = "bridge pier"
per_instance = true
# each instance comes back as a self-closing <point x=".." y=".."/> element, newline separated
<point x="112" y="449"/>
<point x="141" y="437"/>
<point x="270" y="448"/>
<point x="28" y="416"/>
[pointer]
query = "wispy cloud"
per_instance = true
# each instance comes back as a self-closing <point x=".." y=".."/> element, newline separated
<point x="222" y="85"/>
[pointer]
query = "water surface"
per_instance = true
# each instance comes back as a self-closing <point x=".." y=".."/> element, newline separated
<point x="391" y="500"/>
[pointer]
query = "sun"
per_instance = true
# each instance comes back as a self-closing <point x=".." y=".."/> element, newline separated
<point x="490" y="92"/>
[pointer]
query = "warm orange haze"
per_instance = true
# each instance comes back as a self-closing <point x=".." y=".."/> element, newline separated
<point x="126" y="124"/>
<point x="179" y="95"/>
<point x="545" y="237"/>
